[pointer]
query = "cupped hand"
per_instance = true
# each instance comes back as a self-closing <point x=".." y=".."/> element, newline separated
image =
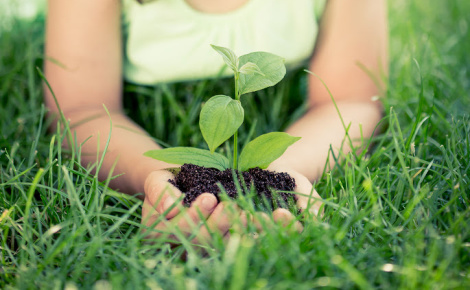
<point x="308" y="199"/>
<point x="163" y="213"/>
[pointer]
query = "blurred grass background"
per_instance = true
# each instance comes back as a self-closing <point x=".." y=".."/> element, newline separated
<point x="397" y="217"/>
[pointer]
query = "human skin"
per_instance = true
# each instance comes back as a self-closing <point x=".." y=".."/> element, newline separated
<point x="353" y="32"/>
<point x="85" y="38"/>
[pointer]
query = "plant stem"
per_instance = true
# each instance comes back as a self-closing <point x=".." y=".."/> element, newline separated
<point x="237" y="95"/>
<point x="235" y="145"/>
<point x="235" y="136"/>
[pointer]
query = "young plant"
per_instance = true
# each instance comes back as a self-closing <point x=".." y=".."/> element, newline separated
<point x="222" y="115"/>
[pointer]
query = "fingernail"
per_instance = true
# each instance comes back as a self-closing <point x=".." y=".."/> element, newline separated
<point x="208" y="203"/>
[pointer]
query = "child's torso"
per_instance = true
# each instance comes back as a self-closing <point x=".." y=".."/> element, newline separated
<point x="169" y="40"/>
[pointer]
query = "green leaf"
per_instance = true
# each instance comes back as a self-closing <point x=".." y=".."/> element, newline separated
<point x="220" y="118"/>
<point x="196" y="156"/>
<point x="272" y="70"/>
<point x="230" y="58"/>
<point x="250" y="68"/>
<point x="263" y="150"/>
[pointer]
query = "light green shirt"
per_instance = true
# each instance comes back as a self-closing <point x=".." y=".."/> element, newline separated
<point x="167" y="40"/>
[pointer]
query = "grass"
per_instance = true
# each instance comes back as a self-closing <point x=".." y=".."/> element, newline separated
<point x="397" y="216"/>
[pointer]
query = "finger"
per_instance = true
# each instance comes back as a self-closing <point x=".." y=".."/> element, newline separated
<point x="200" y="210"/>
<point x="311" y="202"/>
<point x="149" y="215"/>
<point x="149" y="220"/>
<point x="162" y="194"/>
<point x="220" y="221"/>
<point x="285" y="218"/>
<point x="242" y="222"/>
<point x="261" y="221"/>
<point x="155" y="225"/>
<point x="308" y="197"/>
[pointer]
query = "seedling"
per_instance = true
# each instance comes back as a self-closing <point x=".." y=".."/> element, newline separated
<point x="222" y="116"/>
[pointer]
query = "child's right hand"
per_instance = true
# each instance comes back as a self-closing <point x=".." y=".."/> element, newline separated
<point x="204" y="214"/>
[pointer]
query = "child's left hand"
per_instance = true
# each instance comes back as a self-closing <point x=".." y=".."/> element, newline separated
<point x="307" y="199"/>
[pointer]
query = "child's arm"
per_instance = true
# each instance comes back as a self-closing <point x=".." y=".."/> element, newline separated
<point x="83" y="39"/>
<point x="352" y="32"/>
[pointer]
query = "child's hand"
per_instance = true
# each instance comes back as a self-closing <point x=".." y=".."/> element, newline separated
<point x="307" y="199"/>
<point x="204" y="215"/>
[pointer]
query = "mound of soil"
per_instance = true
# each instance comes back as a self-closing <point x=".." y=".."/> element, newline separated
<point x="194" y="180"/>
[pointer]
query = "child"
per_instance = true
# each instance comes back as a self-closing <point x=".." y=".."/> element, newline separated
<point x="168" y="40"/>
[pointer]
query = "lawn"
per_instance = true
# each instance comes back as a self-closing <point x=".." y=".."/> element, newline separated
<point x="397" y="214"/>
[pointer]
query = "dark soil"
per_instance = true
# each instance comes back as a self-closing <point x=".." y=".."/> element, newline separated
<point x="270" y="186"/>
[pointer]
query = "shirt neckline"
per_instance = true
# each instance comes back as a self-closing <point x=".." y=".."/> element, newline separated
<point x="209" y="16"/>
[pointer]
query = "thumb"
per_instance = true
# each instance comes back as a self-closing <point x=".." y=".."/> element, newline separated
<point x="161" y="194"/>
